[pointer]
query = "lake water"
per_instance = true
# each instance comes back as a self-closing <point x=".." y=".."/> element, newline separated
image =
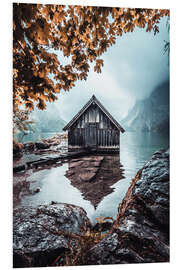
<point x="57" y="185"/>
<point x="34" y="136"/>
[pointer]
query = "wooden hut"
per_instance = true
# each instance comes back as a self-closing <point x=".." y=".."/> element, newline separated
<point x="93" y="129"/>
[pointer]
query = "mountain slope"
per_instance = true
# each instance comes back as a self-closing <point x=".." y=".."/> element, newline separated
<point x="150" y="114"/>
<point x="48" y="120"/>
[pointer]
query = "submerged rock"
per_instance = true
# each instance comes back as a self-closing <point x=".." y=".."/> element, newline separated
<point x="40" y="234"/>
<point x="141" y="231"/>
<point x="36" y="190"/>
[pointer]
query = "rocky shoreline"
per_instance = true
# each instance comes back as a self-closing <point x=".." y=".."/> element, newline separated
<point x="57" y="143"/>
<point x="141" y="231"/>
<point x="49" y="234"/>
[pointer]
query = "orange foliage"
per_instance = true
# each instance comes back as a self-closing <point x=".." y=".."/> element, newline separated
<point x="82" y="33"/>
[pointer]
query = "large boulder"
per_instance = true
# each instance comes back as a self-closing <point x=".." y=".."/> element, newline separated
<point x="42" y="234"/>
<point x="42" y="145"/>
<point x="141" y="231"/>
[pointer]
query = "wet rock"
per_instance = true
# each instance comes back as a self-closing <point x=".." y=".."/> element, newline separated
<point x="41" y="234"/>
<point x="17" y="149"/>
<point x="58" y="139"/>
<point x="103" y="227"/>
<point x="42" y="145"/>
<point x="29" y="146"/>
<point x="38" y="189"/>
<point x="141" y="231"/>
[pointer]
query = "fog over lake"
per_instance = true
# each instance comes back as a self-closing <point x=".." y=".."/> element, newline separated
<point x="133" y="67"/>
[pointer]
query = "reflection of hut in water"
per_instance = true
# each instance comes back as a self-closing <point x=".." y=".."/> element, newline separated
<point x="94" y="176"/>
<point x="94" y="128"/>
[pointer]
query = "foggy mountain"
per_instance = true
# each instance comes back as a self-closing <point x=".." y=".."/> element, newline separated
<point x="150" y="114"/>
<point x="48" y="120"/>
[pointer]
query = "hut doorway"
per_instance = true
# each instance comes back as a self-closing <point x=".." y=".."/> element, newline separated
<point x="91" y="135"/>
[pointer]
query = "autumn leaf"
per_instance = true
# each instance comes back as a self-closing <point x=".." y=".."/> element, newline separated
<point x="100" y="219"/>
<point x="29" y="106"/>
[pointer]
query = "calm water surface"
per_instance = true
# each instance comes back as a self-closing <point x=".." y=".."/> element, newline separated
<point x="136" y="149"/>
<point x="34" y="136"/>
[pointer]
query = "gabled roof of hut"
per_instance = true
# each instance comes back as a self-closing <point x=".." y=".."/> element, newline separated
<point x="102" y="108"/>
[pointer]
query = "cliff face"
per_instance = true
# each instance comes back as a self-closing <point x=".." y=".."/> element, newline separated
<point x="141" y="231"/>
<point x="150" y="114"/>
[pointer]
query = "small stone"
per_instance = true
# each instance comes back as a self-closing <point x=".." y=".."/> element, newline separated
<point x="38" y="189"/>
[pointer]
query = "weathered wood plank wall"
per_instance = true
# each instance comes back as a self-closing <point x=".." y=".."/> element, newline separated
<point x="104" y="137"/>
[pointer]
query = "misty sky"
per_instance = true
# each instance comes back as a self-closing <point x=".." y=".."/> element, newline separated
<point x="133" y="67"/>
